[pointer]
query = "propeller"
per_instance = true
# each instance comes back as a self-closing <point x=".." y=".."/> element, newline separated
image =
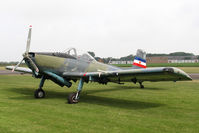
<point x="17" y="65"/>
<point x="26" y="55"/>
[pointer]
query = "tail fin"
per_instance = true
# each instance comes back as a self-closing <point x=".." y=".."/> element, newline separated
<point x="140" y="59"/>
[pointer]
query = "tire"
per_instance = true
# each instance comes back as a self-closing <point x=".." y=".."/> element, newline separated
<point x="39" y="93"/>
<point x="142" y="86"/>
<point x="71" y="98"/>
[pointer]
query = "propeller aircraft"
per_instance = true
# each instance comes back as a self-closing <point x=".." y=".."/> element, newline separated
<point x="64" y="67"/>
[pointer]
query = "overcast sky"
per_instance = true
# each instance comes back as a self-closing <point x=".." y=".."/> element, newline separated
<point x="110" y="28"/>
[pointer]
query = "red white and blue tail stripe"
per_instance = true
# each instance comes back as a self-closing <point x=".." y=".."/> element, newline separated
<point x="139" y="62"/>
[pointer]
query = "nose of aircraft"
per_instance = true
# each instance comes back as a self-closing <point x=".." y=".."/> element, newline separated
<point x="186" y="76"/>
<point x="182" y="74"/>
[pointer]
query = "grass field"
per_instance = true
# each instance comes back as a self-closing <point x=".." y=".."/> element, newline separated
<point x="190" y="69"/>
<point x="2" y="68"/>
<point x="162" y="107"/>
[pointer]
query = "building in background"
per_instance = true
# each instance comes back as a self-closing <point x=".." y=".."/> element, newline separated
<point x="121" y="62"/>
<point x="160" y="59"/>
<point x="183" y="59"/>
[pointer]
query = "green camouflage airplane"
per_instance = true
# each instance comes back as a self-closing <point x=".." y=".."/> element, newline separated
<point x="62" y="68"/>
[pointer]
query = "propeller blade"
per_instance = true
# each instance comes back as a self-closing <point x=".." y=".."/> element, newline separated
<point x="29" y="39"/>
<point x="33" y="64"/>
<point x="26" y="55"/>
<point x="17" y="65"/>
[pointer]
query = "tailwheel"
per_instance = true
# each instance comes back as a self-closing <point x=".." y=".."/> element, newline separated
<point x="72" y="98"/>
<point x="39" y="93"/>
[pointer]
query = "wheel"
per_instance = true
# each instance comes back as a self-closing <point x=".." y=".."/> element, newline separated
<point x="71" y="98"/>
<point x="39" y="93"/>
<point x="141" y="86"/>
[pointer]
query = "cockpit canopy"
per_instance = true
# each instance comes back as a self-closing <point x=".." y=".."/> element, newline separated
<point x="73" y="52"/>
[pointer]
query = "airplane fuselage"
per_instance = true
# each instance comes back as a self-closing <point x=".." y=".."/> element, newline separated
<point x="62" y="64"/>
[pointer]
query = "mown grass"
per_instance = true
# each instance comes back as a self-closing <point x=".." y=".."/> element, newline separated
<point x="2" y="68"/>
<point x="163" y="65"/>
<point x="190" y="69"/>
<point x="160" y="107"/>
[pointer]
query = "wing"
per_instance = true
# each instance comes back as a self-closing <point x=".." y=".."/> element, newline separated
<point x="19" y="69"/>
<point x="134" y="75"/>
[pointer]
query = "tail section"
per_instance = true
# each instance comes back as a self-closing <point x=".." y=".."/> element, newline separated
<point x="140" y="59"/>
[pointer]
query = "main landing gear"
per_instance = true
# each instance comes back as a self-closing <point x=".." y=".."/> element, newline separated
<point x="141" y="85"/>
<point x="140" y="82"/>
<point x="40" y="93"/>
<point x="74" y="97"/>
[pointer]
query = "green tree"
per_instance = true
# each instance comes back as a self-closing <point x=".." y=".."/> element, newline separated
<point x="155" y="55"/>
<point x="181" y="54"/>
<point x="127" y="58"/>
<point x="91" y="53"/>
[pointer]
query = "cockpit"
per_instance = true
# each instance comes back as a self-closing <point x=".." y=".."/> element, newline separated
<point x="73" y="52"/>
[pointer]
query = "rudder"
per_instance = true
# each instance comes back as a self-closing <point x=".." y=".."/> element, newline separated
<point x="140" y="59"/>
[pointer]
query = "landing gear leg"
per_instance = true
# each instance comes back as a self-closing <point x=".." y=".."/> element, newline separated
<point x="74" y="97"/>
<point x="40" y="93"/>
<point x="141" y="85"/>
